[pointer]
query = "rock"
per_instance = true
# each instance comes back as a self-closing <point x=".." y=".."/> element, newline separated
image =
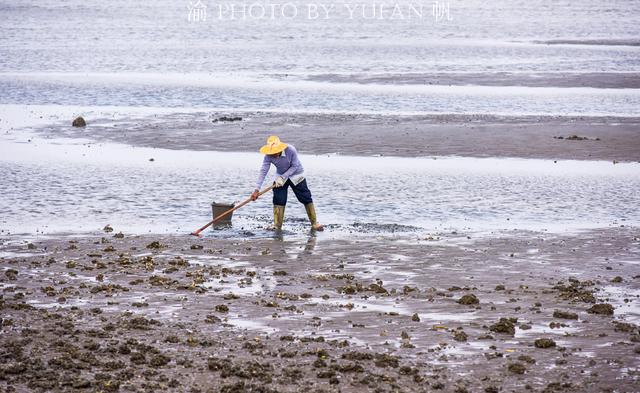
<point x="544" y="343"/>
<point x="526" y="358"/>
<point x="576" y="138"/>
<point x="141" y="323"/>
<point x="504" y="325"/>
<point x="107" y="228"/>
<point x="119" y="235"/>
<point x="601" y="309"/>
<point x="564" y="315"/>
<point x="137" y="358"/>
<point x="616" y="279"/>
<point x="460" y="335"/>
<point x="11" y="274"/>
<point x="577" y="291"/>
<point x="415" y="317"/>
<point x="79" y="122"/>
<point x="212" y="319"/>
<point x="227" y="119"/>
<point x="155" y="245"/>
<point x="159" y="360"/>
<point x="196" y="247"/>
<point x="517" y="368"/>
<point x="377" y="288"/>
<point x="499" y="287"/>
<point x="385" y="360"/>
<point x="468" y="299"/>
<point x="222" y="308"/>
<point x="625" y="327"/>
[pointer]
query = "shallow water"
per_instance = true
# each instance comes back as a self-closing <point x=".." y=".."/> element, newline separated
<point x="65" y="186"/>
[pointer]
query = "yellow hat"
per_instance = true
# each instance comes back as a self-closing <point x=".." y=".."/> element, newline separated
<point x="273" y="146"/>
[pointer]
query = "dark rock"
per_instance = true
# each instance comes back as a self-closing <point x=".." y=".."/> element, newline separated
<point x="11" y="274"/>
<point x="625" y="327"/>
<point x="159" y="360"/>
<point x="517" y="368"/>
<point x="527" y="359"/>
<point x="576" y="138"/>
<point x="155" y="245"/>
<point x="385" y="360"/>
<point x="601" y="309"/>
<point x="79" y="122"/>
<point x="357" y="356"/>
<point x="468" y="299"/>
<point x="504" y="325"/>
<point x="227" y="119"/>
<point x="460" y="335"/>
<point x="544" y="343"/>
<point x="564" y="315"/>
<point x="576" y="290"/>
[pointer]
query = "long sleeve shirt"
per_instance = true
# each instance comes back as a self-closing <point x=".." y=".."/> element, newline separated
<point x="287" y="165"/>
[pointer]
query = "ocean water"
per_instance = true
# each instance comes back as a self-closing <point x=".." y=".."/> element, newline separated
<point x="124" y="53"/>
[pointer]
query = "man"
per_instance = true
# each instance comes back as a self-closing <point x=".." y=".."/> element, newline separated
<point x="290" y="173"/>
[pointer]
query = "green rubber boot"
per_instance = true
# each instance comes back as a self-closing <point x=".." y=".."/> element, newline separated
<point x="311" y="213"/>
<point x="278" y="217"/>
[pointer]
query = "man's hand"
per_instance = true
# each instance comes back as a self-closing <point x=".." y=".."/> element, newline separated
<point x="279" y="181"/>
<point x="255" y="195"/>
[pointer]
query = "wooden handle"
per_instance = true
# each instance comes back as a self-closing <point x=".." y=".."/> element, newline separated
<point x="197" y="233"/>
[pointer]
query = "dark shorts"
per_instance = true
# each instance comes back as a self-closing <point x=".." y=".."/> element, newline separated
<point x="301" y="190"/>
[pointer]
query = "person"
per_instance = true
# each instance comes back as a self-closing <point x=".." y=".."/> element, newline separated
<point x="290" y="173"/>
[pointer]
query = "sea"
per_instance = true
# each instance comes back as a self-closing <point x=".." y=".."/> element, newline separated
<point x="325" y="56"/>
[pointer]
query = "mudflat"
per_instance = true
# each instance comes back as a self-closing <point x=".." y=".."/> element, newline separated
<point x="513" y="311"/>
<point x="547" y="137"/>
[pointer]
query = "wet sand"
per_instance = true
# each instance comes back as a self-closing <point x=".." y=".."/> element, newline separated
<point x="600" y="80"/>
<point x="599" y="138"/>
<point x="434" y="312"/>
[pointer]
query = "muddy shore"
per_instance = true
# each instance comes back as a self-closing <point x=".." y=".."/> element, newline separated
<point x="558" y="138"/>
<point x="444" y="312"/>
